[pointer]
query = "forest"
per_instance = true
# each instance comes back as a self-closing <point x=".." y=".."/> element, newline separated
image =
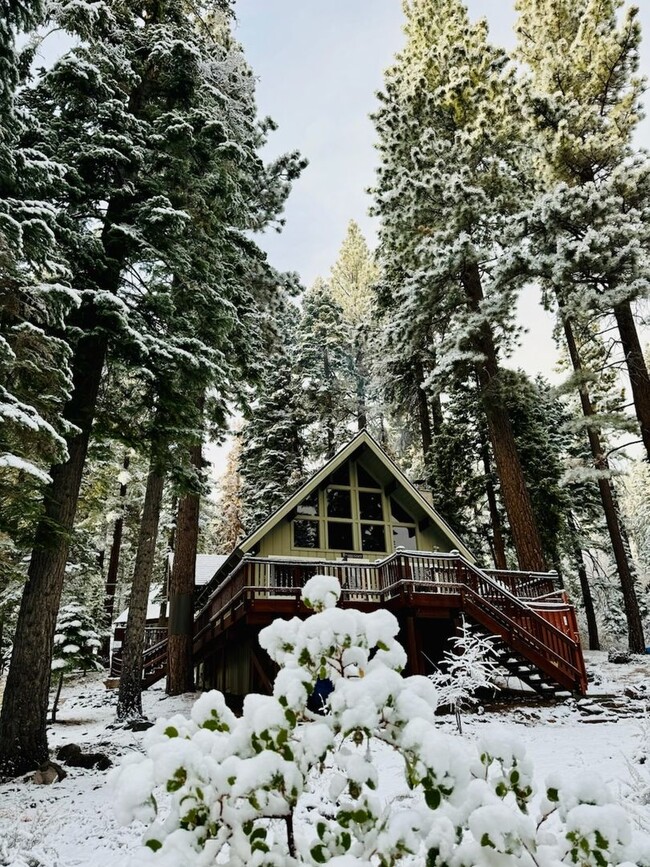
<point x="142" y="325"/>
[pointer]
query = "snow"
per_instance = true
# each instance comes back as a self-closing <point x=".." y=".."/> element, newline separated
<point x="74" y="822"/>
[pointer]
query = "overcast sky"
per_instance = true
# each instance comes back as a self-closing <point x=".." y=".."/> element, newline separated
<point x="319" y="64"/>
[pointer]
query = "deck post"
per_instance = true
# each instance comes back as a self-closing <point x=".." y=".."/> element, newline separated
<point x="412" y="647"/>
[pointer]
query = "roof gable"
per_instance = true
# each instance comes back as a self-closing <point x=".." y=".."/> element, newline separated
<point x="381" y="463"/>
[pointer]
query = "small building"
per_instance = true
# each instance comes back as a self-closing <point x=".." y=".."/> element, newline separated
<point x="360" y="519"/>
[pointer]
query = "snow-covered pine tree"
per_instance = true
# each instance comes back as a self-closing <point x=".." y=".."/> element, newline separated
<point x="34" y="298"/>
<point x="272" y="462"/>
<point x="228" y="527"/>
<point x="76" y="645"/>
<point x="326" y="366"/>
<point x="594" y="384"/>
<point x="589" y="228"/>
<point x="145" y="94"/>
<point x="449" y="180"/>
<point x="351" y="282"/>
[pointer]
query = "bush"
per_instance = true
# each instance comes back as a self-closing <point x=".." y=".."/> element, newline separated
<point x="281" y="787"/>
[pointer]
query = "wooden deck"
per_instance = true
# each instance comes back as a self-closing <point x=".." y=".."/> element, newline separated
<point x="530" y="618"/>
<point x="526" y="611"/>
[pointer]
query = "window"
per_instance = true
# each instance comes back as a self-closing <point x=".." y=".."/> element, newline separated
<point x="309" y="505"/>
<point x="339" y="503"/>
<point x="373" y="537"/>
<point x="370" y="506"/>
<point x="365" y="480"/>
<point x="352" y="514"/>
<point x="306" y="534"/>
<point x="404" y="537"/>
<point x="339" y="535"/>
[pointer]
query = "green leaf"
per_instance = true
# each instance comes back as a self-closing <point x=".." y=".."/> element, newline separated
<point x="319" y="854"/>
<point x="433" y="798"/>
<point x="171" y="732"/>
<point x="154" y="845"/>
<point x="553" y="795"/>
<point x="601" y="842"/>
<point x="485" y="841"/>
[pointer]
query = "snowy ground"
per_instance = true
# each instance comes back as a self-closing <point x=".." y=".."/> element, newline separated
<point x="72" y="823"/>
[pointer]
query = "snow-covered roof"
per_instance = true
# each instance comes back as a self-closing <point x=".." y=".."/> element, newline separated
<point x="207" y="566"/>
<point x="153" y="608"/>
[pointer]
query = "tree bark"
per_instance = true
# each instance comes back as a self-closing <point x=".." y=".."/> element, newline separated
<point x="637" y="369"/>
<point x="424" y="416"/>
<point x="23" y="721"/>
<point x="180" y="666"/>
<point x="587" y="598"/>
<point x="55" y="706"/>
<point x="498" y="544"/>
<point x="129" y="702"/>
<point x="113" y="566"/>
<point x="636" y="641"/>
<point x="360" y="378"/>
<point x="516" y="499"/>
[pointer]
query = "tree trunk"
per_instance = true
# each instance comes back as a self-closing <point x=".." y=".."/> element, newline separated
<point x="424" y="416"/>
<point x="180" y="667"/>
<point x="587" y="598"/>
<point x="23" y="721"/>
<point x="55" y="706"/>
<point x="516" y="498"/>
<point x="637" y="369"/>
<point x="113" y="566"/>
<point x="634" y="625"/>
<point x="360" y="377"/>
<point x="129" y="702"/>
<point x="498" y="544"/>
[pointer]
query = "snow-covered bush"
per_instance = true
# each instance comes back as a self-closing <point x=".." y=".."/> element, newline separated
<point x="279" y="787"/>
<point x="468" y="667"/>
<point x="76" y="643"/>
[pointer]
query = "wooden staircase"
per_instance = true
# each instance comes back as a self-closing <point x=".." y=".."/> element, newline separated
<point x="154" y="663"/>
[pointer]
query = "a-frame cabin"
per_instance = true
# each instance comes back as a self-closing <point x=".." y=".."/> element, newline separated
<point x="360" y="519"/>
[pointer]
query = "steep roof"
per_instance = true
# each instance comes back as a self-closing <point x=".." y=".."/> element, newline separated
<point x="361" y="441"/>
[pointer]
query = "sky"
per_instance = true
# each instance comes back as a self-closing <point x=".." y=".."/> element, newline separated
<point x="319" y="64"/>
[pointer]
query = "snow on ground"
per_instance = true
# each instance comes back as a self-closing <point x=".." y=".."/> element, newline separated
<point x="72" y="823"/>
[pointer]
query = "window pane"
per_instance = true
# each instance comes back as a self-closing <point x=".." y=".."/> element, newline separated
<point x="306" y="534"/>
<point x="400" y="514"/>
<point x="341" y="476"/>
<point x="339" y="536"/>
<point x="365" y="480"/>
<point x="338" y="504"/>
<point x="373" y="537"/>
<point x="404" y="537"/>
<point x="370" y="507"/>
<point x="309" y="505"/>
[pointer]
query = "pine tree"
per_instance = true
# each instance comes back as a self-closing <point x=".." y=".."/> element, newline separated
<point x="590" y="228"/>
<point x="351" y="281"/>
<point x="329" y="389"/>
<point x="76" y="643"/>
<point x="152" y="110"/>
<point x="449" y="181"/>
<point x="272" y="463"/>
<point x="228" y="527"/>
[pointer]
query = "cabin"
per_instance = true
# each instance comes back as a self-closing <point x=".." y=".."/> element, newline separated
<point x="360" y="519"/>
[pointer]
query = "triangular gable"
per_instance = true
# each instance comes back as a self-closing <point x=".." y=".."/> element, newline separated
<point x="362" y="439"/>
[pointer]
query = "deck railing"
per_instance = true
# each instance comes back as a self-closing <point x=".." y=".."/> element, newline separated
<point x="545" y="631"/>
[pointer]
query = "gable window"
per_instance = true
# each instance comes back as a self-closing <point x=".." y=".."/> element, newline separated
<point x="306" y="534"/>
<point x="351" y="513"/>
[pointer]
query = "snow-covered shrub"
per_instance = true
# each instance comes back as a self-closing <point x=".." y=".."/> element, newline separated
<point x="468" y="667"/>
<point x="76" y="643"/>
<point x="280" y="787"/>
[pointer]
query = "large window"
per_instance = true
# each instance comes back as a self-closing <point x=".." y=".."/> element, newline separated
<point x="351" y="513"/>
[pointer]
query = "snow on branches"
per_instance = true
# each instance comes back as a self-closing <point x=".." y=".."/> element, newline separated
<point x="281" y="786"/>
